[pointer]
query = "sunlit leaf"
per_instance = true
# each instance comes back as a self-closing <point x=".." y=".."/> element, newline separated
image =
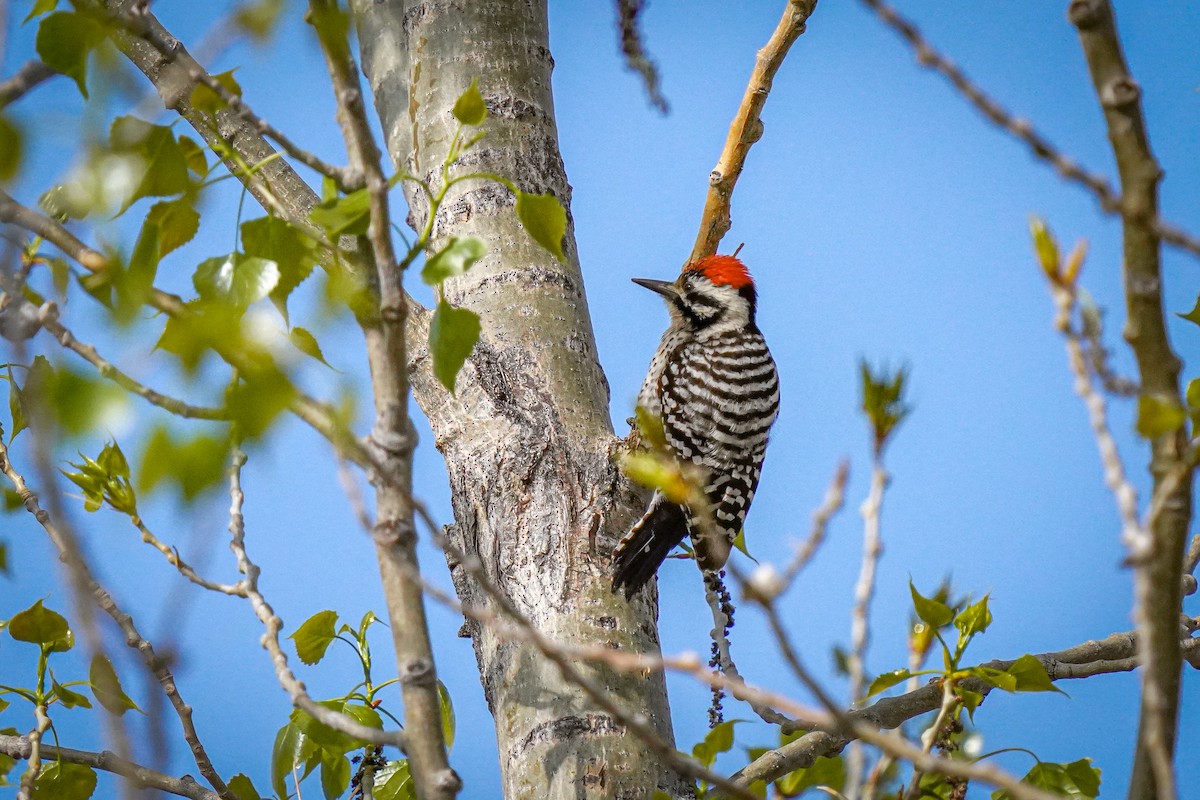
<point x="38" y="625"/>
<point x="258" y="400"/>
<point x="306" y="343"/>
<point x="452" y="336"/>
<point x="469" y="108"/>
<point x="719" y="739"/>
<point x="16" y="407"/>
<point x="1078" y="779"/>
<point x="236" y="280"/>
<point x="974" y="619"/>
<point x="314" y="636"/>
<point x="349" y="215"/>
<point x="41" y="7"/>
<point x="107" y="687"/>
<point x="452" y="260"/>
<point x="64" y="41"/>
<point x="1192" y="316"/>
<point x="887" y="680"/>
<point x="194" y="155"/>
<point x="194" y="464"/>
<point x="68" y="698"/>
<point x="1031" y="676"/>
<point x="932" y="612"/>
<point x="134" y="284"/>
<point x="243" y="787"/>
<point x="335" y="775"/>
<point x="545" y="219"/>
<point x="177" y="223"/>
<point x="293" y="251"/>
<point x="285" y="755"/>
<point x="394" y="782"/>
<point x="447" y="708"/>
<point x="1045" y="247"/>
<point x="827" y="771"/>
<point x="165" y="169"/>
<point x="61" y="780"/>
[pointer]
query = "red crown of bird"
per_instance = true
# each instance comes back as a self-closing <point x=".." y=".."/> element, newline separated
<point x="722" y="270"/>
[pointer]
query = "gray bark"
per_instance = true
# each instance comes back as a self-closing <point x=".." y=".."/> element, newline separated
<point x="527" y="438"/>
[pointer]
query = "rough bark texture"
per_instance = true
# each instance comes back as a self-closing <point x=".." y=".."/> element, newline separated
<point x="527" y="440"/>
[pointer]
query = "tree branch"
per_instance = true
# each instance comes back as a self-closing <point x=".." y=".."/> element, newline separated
<point x="1158" y="566"/>
<point x="1023" y="130"/>
<point x="746" y="128"/>
<point x="30" y="75"/>
<point x="107" y="761"/>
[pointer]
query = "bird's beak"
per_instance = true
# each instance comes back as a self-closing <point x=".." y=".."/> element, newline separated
<point x="665" y="288"/>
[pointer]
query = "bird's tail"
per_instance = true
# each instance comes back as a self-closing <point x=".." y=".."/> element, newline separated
<point x="643" y="549"/>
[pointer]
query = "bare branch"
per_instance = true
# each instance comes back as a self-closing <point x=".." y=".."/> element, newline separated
<point x="392" y="438"/>
<point x="860" y="624"/>
<point x="30" y="75"/>
<point x="48" y="316"/>
<point x="1158" y="572"/>
<point x="142" y="777"/>
<point x="835" y="497"/>
<point x="628" y="16"/>
<point x="1023" y="130"/>
<point x="747" y="127"/>
<point x="273" y="624"/>
<point x="14" y="213"/>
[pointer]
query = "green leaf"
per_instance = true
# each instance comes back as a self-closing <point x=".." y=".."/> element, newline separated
<point x="133" y="285"/>
<point x="1031" y="676"/>
<point x="107" y="687"/>
<point x="825" y="771"/>
<point x="545" y="219"/>
<point x="236" y="280"/>
<point x="306" y="343"/>
<point x="314" y="636"/>
<point x="932" y="612"/>
<point x="719" y="739"/>
<point x="258" y="400"/>
<point x="1158" y="415"/>
<point x="165" y="169"/>
<point x="206" y="100"/>
<point x="292" y="250"/>
<point x="349" y="215"/>
<point x="469" y="108"/>
<point x="1192" y="316"/>
<point x="194" y="465"/>
<point x="394" y="782"/>
<point x="177" y="222"/>
<point x="194" y="154"/>
<point x="1078" y="779"/>
<point x="60" y="780"/>
<point x="887" y="680"/>
<point x="16" y="407"/>
<point x="290" y="745"/>
<point x="243" y="787"/>
<point x="330" y="739"/>
<point x="64" y="41"/>
<point x="452" y="260"/>
<point x="452" y="336"/>
<point x="39" y="625"/>
<point x="1045" y="247"/>
<point x="448" y="721"/>
<point x="1192" y="397"/>
<point x="970" y="699"/>
<point x="10" y="149"/>
<point x="996" y="677"/>
<point x="883" y="401"/>
<point x="335" y="775"/>
<point x="68" y="698"/>
<point x="41" y="7"/>
<point x="364" y="714"/>
<point x="974" y="618"/>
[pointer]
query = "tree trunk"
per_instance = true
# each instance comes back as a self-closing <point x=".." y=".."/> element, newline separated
<point x="527" y="438"/>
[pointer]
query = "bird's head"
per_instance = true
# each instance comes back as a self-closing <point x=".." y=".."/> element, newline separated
<point x="714" y="293"/>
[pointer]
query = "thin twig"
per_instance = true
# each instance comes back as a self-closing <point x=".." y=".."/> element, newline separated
<point x="860" y="622"/>
<point x="1157" y="571"/>
<point x="49" y="317"/>
<point x="1023" y="130"/>
<point x="392" y="436"/>
<point x="21" y="747"/>
<point x="30" y="75"/>
<point x="273" y="624"/>
<point x="636" y="59"/>
<point x="835" y="498"/>
<point x="747" y="127"/>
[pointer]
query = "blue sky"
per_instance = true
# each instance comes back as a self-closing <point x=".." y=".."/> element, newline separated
<point x="882" y="218"/>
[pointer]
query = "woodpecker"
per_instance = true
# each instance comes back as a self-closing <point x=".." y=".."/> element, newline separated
<point x="713" y="384"/>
